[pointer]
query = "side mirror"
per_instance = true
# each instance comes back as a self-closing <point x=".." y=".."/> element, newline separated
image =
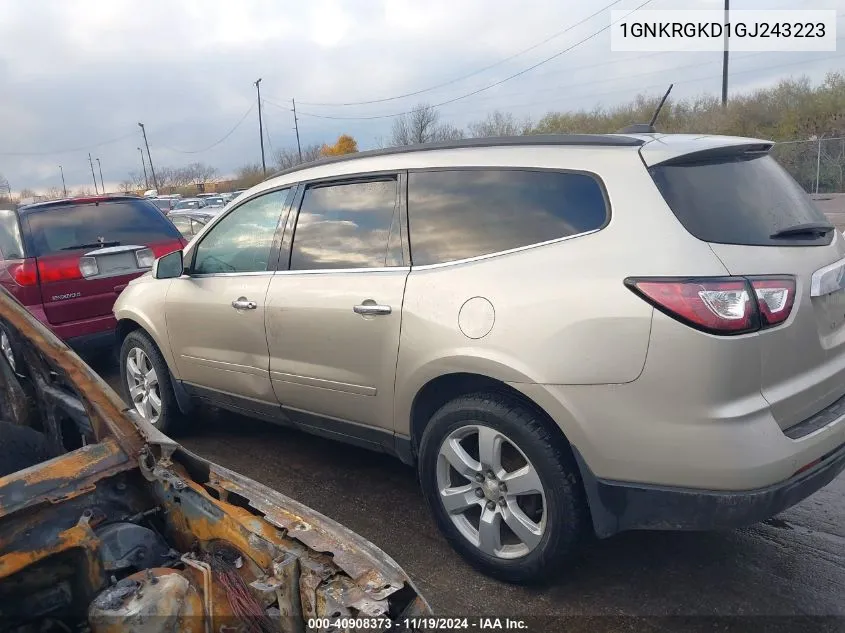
<point x="168" y="266"/>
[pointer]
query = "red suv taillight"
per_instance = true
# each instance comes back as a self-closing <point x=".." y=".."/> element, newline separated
<point x="163" y="248"/>
<point x="23" y="271"/>
<point x="720" y="305"/>
<point x="52" y="269"/>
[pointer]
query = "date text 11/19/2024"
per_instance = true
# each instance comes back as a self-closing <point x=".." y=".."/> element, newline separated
<point x="419" y="624"/>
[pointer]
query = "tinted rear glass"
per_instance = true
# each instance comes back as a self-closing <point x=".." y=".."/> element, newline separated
<point x="119" y="223"/>
<point x="737" y="200"/>
<point x="463" y="213"/>
<point x="10" y="236"/>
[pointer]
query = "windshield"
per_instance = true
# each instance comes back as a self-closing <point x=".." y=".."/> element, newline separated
<point x="739" y="200"/>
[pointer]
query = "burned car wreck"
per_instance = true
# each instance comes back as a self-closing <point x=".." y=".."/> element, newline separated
<point x="108" y="525"/>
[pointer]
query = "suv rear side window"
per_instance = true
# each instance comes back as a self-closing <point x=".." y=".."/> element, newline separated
<point x="345" y="225"/>
<point x="737" y="200"/>
<point x="462" y="213"/>
<point x="11" y="246"/>
<point x="68" y="227"/>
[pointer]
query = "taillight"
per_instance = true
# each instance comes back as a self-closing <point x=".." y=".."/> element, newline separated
<point x="59" y="269"/>
<point x="23" y="271"/>
<point x="144" y="258"/>
<point x="720" y="305"/>
<point x="775" y="296"/>
<point x="162" y="249"/>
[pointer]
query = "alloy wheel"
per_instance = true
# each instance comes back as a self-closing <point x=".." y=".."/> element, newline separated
<point x="491" y="491"/>
<point x="142" y="381"/>
<point x="6" y="348"/>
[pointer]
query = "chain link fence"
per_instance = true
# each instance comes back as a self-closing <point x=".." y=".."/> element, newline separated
<point x="818" y="164"/>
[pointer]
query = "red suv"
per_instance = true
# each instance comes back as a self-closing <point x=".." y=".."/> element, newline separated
<point x="67" y="261"/>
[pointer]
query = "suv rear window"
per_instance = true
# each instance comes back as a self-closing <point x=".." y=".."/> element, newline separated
<point x="119" y="223"/>
<point x="737" y="200"/>
<point x="461" y="213"/>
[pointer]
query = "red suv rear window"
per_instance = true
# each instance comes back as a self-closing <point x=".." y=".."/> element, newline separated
<point x="69" y="227"/>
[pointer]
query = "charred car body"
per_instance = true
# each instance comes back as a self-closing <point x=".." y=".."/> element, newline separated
<point x="111" y="526"/>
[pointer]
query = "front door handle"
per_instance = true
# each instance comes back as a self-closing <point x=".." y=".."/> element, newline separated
<point x="370" y="307"/>
<point x="242" y="303"/>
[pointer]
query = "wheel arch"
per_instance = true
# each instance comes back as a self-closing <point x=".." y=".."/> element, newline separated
<point x="127" y="323"/>
<point x="440" y="390"/>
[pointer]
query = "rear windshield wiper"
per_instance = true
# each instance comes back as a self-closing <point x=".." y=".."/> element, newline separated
<point x="809" y="228"/>
<point x="92" y="245"/>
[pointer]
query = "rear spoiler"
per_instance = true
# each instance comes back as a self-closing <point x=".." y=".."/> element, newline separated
<point x="675" y="150"/>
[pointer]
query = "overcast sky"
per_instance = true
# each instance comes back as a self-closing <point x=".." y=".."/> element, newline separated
<point x="74" y="74"/>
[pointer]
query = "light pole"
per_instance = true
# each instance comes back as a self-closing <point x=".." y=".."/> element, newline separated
<point x="725" y="58"/>
<point x="91" y="162"/>
<point x="64" y="187"/>
<point x="149" y="156"/>
<point x="296" y="127"/>
<point x="261" y="125"/>
<point x="144" y="165"/>
<point x="100" y="167"/>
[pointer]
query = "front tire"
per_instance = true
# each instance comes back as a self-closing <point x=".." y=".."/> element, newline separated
<point x="146" y="382"/>
<point x="503" y="488"/>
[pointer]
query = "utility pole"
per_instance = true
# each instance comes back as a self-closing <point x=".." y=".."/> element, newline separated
<point x="261" y="125"/>
<point x="144" y="165"/>
<point x="296" y="127"/>
<point x="149" y="156"/>
<point x="91" y="162"/>
<point x="99" y="165"/>
<point x="64" y="187"/>
<point x="725" y="58"/>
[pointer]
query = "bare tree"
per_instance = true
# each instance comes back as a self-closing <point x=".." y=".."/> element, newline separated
<point x="421" y="125"/>
<point x="198" y="173"/>
<point x="54" y="193"/>
<point x="127" y="186"/>
<point x="5" y="190"/>
<point x="288" y="157"/>
<point x="499" y="123"/>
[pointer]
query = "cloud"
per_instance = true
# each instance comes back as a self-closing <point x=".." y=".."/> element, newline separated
<point x="76" y="74"/>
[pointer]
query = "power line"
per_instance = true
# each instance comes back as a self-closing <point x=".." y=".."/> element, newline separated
<point x="70" y="150"/>
<point x="468" y="75"/>
<point x="655" y="86"/>
<point x="480" y="90"/>
<point x="216" y="143"/>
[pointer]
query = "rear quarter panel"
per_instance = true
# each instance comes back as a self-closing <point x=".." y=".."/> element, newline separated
<point x="562" y="314"/>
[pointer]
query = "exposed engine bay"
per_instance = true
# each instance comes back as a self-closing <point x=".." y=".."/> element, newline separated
<point x="109" y="525"/>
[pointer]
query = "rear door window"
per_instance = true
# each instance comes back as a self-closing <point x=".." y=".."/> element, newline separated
<point x="738" y="200"/>
<point x="69" y="227"/>
<point x="346" y="225"/>
<point x="462" y="213"/>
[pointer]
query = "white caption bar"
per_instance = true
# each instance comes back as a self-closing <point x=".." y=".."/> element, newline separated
<point x="705" y="30"/>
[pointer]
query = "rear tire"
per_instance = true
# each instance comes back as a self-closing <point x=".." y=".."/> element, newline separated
<point x="150" y="394"/>
<point x="545" y="504"/>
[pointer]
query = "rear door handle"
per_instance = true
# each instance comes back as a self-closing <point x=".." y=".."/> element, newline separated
<point x="370" y="307"/>
<point x="242" y="303"/>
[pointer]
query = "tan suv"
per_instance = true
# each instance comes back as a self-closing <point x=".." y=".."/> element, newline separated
<point x="564" y="334"/>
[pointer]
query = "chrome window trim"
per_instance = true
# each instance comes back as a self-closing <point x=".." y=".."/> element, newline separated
<point x="326" y="271"/>
<point x="254" y="273"/>
<point x="518" y="249"/>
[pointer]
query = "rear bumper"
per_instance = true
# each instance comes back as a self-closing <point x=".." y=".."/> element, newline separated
<point x="618" y="506"/>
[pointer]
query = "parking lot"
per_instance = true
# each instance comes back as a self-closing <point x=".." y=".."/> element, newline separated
<point x="791" y="566"/>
